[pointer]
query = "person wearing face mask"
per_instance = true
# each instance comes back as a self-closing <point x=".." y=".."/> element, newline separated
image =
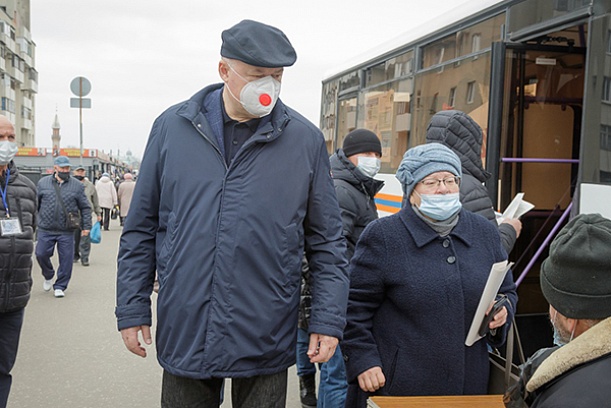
<point x="576" y="281"/>
<point x="82" y="243"/>
<point x="234" y="188"/>
<point x="60" y="198"/>
<point x="416" y="279"/>
<point x="17" y="225"/>
<point x="353" y="168"/>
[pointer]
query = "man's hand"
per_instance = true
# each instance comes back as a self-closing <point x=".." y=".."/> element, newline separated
<point x="99" y="218"/>
<point x="372" y="379"/>
<point x="515" y="223"/>
<point x="321" y="348"/>
<point x="130" y="338"/>
<point x="84" y="233"/>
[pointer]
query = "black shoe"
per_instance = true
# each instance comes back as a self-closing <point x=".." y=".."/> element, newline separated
<point x="76" y="259"/>
<point x="85" y="263"/>
<point x="106" y="229"/>
<point x="307" y="391"/>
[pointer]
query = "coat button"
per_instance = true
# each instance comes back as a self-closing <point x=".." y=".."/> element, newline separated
<point x="446" y="243"/>
<point x="451" y="259"/>
<point x="199" y="125"/>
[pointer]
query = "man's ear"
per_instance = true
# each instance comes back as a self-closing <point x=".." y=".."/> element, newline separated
<point x="223" y="70"/>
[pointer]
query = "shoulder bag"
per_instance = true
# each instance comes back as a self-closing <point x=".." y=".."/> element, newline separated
<point x="73" y="219"/>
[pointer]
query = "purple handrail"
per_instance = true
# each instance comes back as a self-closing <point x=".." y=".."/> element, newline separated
<point x="540" y="160"/>
<point x="544" y="244"/>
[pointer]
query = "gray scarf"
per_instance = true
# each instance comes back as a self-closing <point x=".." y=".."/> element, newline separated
<point x="443" y="228"/>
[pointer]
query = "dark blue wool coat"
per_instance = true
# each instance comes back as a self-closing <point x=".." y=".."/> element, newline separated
<point x="412" y="298"/>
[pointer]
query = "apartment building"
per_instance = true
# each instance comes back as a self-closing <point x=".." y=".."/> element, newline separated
<point x="18" y="75"/>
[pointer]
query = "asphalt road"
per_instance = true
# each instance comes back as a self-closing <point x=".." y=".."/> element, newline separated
<point x="71" y="354"/>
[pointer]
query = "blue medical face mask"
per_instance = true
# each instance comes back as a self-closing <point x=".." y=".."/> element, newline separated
<point x="560" y="338"/>
<point x="439" y="207"/>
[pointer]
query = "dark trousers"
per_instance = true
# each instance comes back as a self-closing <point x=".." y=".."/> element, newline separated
<point x="263" y="391"/>
<point x="10" y="329"/>
<point x="82" y="246"/>
<point x="65" y="251"/>
<point x="105" y="218"/>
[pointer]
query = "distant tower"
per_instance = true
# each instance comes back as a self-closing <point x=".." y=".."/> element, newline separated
<point x="56" y="137"/>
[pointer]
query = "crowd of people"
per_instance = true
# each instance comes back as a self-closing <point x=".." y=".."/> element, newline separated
<point x="254" y="277"/>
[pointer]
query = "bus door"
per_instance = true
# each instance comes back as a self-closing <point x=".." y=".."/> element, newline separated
<point x="533" y="147"/>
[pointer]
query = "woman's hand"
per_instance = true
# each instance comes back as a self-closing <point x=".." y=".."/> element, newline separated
<point x="372" y="379"/>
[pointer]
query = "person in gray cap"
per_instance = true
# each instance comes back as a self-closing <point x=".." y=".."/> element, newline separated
<point x="82" y="243"/>
<point x="416" y="279"/>
<point x="576" y="281"/>
<point x="234" y="187"/>
<point x="62" y="208"/>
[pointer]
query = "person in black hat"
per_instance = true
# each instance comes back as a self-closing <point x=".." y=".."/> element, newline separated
<point x="576" y="281"/>
<point x="353" y="168"/>
<point x="234" y="187"/>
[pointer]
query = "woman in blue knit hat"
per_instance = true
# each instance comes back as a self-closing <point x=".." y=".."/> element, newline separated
<point x="416" y="281"/>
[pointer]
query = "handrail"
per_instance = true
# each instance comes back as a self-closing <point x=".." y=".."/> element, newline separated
<point x="544" y="244"/>
<point x="536" y="160"/>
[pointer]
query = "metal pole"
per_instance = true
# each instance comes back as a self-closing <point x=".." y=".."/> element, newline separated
<point x="80" y="113"/>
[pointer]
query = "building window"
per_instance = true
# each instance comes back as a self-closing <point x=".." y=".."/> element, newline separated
<point x="606" y="89"/>
<point x="605" y="137"/>
<point x="476" y="42"/>
<point x="609" y="42"/>
<point x="452" y="97"/>
<point x="470" y="92"/>
<point x="8" y="105"/>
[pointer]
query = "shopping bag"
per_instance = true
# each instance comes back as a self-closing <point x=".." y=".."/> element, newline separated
<point x="95" y="235"/>
<point x="114" y="213"/>
<point x="503" y="373"/>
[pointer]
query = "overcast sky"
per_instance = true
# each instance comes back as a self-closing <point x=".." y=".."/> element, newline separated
<point x="142" y="56"/>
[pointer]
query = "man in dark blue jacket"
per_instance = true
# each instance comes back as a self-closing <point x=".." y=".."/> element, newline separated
<point x="227" y="241"/>
<point x="59" y="197"/>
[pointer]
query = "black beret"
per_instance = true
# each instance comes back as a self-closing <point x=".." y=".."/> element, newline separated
<point x="258" y="44"/>
<point x="576" y="277"/>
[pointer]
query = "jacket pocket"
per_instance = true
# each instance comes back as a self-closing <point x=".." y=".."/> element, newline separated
<point x="390" y="373"/>
<point x="292" y="258"/>
<point x="166" y="249"/>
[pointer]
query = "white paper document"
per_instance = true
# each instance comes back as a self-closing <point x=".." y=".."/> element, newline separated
<point x="516" y="208"/>
<point x="495" y="279"/>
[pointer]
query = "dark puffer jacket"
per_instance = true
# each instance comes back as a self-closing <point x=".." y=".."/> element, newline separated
<point x="51" y="214"/>
<point x="16" y="250"/>
<point x="456" y="130"/>
<point x="355" y="194"/>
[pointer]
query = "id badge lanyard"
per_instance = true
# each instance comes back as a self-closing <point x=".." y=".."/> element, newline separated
<point x="3" y="191"/>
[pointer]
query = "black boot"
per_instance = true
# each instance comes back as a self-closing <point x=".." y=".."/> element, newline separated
<point x="307" y="391"/>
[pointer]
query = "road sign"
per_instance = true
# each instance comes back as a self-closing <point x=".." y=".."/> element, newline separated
<point x="85" y="103"/>
<point x="80" y="86"/>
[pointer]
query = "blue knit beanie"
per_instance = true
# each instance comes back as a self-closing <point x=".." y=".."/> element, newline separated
<point x="420" y="161"/>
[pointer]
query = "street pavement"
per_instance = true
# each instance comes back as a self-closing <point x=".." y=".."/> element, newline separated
<point x="71" y="354"/>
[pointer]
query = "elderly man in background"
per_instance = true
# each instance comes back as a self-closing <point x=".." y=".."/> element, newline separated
<point x="82" y="243"/>
<point x="576" y="281"/>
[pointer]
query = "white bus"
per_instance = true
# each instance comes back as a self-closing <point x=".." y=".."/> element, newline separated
<point x="535" y="75"/>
